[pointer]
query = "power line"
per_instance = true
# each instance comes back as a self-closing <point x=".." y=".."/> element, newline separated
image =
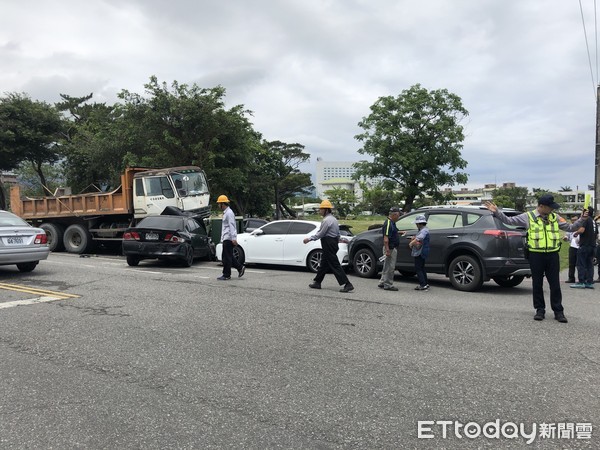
<point x="588" y="47"/>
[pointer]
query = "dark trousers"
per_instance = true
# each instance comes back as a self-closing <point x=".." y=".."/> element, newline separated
<point x="547" y="264"/>
<point x="585" y="264"/>
<point x="420" y="269"/>
<point x="572" y="262"/>
<point x="228" y="259"/>
<point x="330" y="262"/>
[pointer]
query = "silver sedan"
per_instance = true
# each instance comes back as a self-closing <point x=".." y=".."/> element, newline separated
<point x="20" y="243"/>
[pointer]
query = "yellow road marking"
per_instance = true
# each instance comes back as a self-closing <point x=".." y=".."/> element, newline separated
<point x="41" y="292"/>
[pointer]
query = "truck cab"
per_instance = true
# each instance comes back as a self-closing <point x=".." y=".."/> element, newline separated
<point x="183" y="187"/>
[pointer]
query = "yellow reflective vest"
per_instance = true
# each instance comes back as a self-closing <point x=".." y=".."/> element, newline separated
<point x="543" y="237"/>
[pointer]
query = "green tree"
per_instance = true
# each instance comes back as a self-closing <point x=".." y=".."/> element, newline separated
<point x="513" y="197"/>
<point x="278" y="163"/>
<point x="343" y="200"/>
<point x="181" y="125"/>
<point x="30" y="132"/>
<point x="415" y="140"/>
<point x="92" y="143"/>
<point x="379" y="198"/>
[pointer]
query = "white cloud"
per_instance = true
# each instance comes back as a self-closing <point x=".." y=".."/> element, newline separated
<point x="310" y="69"/>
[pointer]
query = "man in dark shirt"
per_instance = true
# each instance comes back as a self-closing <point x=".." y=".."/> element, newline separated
<point x="585" y="253"/>
<point x="391" y="240"/>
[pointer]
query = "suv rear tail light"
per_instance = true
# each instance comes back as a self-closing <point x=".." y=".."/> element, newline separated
<point x="131" y="236"/>
<point x="501" y="234"/>
<point x="41" y="239"/>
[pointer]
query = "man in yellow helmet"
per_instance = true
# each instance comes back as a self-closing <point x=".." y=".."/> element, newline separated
<point x="329" y="234"/>
<point x="229" y="240"/>
<point x="543" y="242"/>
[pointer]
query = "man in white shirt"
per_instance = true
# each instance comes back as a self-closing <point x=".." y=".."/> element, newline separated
<point x="229" y="240"/>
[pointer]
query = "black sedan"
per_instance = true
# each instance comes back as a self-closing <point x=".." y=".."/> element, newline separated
<point x="177" y="238"/>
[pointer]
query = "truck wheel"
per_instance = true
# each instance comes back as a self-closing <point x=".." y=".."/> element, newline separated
<point x="55" y="233"/>
<point x="77" y="239"/>
<point x="364" y="263"/>
<point x="27" y="267"/>
<point x="465" y="273"/>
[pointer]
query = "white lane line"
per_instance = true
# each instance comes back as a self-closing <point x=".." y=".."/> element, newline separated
<point x="31" y="301"/>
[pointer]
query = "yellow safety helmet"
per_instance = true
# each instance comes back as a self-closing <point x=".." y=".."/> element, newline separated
<point x="326" y="204"/>
<point x="222" y="199"/>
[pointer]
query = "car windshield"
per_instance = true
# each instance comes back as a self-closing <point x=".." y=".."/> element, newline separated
<point x="162" y="222"/>
<point x="10" y="220"/>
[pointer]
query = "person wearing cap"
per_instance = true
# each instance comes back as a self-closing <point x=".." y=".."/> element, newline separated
<point x="419" y="246"/>
<point x="391" y="241"/>
<point x="329" y="234"/>
<point x="229" y="240"/>
<point x="543" y="242"/>
<point x="585" y="252"/>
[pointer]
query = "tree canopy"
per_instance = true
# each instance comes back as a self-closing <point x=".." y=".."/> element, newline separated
<point x="29" y="133"/>
<point x="415" y="140"/>
<point x="167" y="126"/>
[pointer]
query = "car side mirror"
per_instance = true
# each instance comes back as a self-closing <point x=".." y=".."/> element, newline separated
<point x="257" y="232"/>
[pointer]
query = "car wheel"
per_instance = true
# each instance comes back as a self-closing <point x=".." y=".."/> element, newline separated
<point x="55" y="233"/>
<point x="77" y="239"/>
<point x="238" y="253"/>
<point x="313" y="261"/>
<point x="465" y="273"/>
<point x="404" y="273"/>
<point x="189" y="256"/>
<point x="27" y="267"/>
<point x="133" y="260"/>
<point x="364" y="263"/>
<point x="509" y="281"/>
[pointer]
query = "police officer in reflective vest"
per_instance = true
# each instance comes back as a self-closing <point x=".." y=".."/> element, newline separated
<point x="543" y="241"/>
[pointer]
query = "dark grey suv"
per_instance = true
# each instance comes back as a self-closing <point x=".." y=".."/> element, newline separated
<point x="468" y="245"/>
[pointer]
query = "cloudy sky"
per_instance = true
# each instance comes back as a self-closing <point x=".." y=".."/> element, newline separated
<point x="310" y="69"/>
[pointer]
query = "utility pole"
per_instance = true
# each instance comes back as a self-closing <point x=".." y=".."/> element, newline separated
<point x="597" y="159"/>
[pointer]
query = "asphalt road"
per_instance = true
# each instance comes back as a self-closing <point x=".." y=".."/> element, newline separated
<point x="96" y="354"/>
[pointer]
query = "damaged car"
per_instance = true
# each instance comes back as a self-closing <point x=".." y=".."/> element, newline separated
<point x="176" y="238"/>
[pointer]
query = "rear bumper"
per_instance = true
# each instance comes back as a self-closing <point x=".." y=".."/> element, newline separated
<point x="23" y="255"/>
<point x="153" y="249"/>
<point x="507" y="267"/>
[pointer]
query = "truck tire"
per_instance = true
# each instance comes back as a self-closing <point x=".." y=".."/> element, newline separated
<point x="55" y="233"/>
<point x="77" y="239"/>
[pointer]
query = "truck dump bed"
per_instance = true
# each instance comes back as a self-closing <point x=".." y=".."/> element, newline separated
<point x="116" y="202"/>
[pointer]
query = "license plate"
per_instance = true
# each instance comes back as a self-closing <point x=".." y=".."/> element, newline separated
<point x="151" y="237"/>
<point x="14" y="240"/>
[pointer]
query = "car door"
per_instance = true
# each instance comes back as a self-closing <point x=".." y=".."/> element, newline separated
<point x="294" y="249"/>
<point x="445" y="230"/>
<point x="404" y="260"/>
<point x="265" y="245"/>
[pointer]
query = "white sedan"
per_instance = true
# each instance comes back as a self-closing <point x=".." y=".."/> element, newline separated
<point x="20" y="243"/>
<point x="280" y="242"/>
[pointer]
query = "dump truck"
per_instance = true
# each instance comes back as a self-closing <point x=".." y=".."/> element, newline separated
<point x="76" y="222"/>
